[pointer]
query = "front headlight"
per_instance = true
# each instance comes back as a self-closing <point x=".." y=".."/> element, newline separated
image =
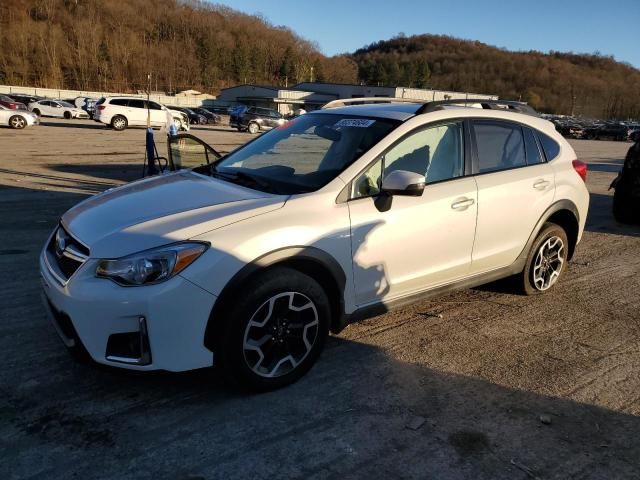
<point x="151" y="266"/>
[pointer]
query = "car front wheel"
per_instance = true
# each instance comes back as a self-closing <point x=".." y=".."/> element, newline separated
<point x="547" y="260"/>
<point x="275" y="334"/>
<point x="18" y="122"/>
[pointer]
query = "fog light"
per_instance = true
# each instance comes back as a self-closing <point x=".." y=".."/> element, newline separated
<point x="130" y="347"/>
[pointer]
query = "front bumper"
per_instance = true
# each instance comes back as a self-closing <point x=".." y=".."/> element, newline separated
<point x="91" y="314"/>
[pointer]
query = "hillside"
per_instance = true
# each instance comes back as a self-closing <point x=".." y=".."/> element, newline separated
<point x="590" y="85"/>
<point x="109" y="45"/>
<point x="112" y="46"/>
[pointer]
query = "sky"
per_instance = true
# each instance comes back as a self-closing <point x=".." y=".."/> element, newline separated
<point x="342" y="26"/>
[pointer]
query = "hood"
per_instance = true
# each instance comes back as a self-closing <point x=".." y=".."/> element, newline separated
<point x="161" y="210"/>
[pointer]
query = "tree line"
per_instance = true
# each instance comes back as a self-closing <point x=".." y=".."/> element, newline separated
<point x="112" y="46"/>
<point x="589" y="85"/>
<point x="106" y="45"/>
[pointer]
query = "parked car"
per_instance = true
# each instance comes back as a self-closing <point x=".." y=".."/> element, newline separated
<point x="211" y="117"/>
<point x="194" y="118"/>
<point x="57" y="108"/>
<point x="17" y="119"/>
<point x="254" y="119"/>
<point x="122" y="112"/>
<point x="11" y="104"/>
<point x="600" y="131"/>
<point x="250" y="260"/>
<point x="23" y="98"/>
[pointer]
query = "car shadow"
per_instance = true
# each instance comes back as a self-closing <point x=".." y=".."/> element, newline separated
<point x="360" y="409"/>
<point x="601" y="220"/>
<point x="72" y="124"/>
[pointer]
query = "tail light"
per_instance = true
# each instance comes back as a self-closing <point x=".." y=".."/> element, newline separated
<point x="581" y="169"/>
<point x="101" y="107"/>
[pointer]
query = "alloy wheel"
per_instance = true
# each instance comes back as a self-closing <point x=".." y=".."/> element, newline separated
<point x="548" y="263"/>
<point x="281" y="334"/>
<point x="17" y="122"/>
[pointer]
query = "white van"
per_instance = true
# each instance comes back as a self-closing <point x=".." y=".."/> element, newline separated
<point x="122" y="112"/>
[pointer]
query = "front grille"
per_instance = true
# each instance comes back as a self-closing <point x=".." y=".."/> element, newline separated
<point x="65" y="254"/>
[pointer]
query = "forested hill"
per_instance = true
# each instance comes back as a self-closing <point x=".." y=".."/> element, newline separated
<point x="590" y="85"/>
<point x="112" y="45"/>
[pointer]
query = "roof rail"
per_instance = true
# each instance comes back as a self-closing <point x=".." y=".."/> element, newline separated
<point x="520" y="107"/>
<point x="341" y="102"/>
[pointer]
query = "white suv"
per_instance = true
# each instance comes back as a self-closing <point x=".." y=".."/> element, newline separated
<point x="249" y="262"/>
<point x="122" y="112"/>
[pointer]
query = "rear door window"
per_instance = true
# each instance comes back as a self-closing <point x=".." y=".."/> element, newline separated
<point x="136" y="103"/>
<point x="500" y="145"/>
<point x="119" y="102"/>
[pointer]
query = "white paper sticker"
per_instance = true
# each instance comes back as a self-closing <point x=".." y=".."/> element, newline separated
<point x="355" y="122"/>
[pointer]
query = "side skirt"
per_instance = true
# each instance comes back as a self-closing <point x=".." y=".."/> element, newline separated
<point x="380" y="308"/>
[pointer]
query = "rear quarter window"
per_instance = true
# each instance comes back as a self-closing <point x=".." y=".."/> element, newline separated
<point x="549" y="145"/>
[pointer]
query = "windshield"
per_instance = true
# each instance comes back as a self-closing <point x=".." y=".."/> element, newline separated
<point x="305" y="154"/>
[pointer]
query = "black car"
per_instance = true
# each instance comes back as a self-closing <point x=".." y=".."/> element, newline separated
<point x="23" y="98"/>
<point x="212" y="118"/>
<point x="614" y="131"/>
<point x="194" y="117"/>
<point x="255" y="119"/>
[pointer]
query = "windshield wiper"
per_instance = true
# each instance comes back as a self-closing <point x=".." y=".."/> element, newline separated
<point x="242" y="177"/>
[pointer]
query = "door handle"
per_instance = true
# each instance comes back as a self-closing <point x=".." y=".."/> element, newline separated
<point x="463" y="203"/>
<point x="541" y="184"/>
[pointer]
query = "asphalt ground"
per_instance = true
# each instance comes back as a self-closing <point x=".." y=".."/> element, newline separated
<point x="482" y="383"/>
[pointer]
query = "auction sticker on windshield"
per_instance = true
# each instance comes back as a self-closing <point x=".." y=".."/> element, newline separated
<point x="355" y="122"/>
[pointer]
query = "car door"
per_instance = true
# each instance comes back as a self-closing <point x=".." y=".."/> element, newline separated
<point x="46" y="110"/>
<point x="158" y="114"/>
<point x="515" y="187"/>
<point x="414" y="243"/>
<point x="56" y="110"/>
<point x="137" y="112"/>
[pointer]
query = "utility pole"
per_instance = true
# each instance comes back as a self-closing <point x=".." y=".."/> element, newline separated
<point x="148" y="94"/>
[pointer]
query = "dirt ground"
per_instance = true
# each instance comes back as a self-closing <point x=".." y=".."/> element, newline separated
<point x="481" y="384"/>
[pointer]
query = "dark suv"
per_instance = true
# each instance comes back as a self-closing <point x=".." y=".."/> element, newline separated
<point x="254" y="119"/>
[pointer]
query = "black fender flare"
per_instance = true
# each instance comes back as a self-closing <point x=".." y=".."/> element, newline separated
<point x="314" y="260"/>
<point x="555" y="207"/>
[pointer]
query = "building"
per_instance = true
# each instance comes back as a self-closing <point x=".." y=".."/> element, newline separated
<point x="312" y="95"/>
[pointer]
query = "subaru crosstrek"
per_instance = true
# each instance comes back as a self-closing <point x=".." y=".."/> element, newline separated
<point x="250" y="261"/>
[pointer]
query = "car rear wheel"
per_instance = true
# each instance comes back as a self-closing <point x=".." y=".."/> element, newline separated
<point x="547" y="260"/>
<point x="36" y="111"/>
<point x="119" y="122"/>
<point x="275" y="334"/>
<point x="254" y="128"/>
<point x="67" y="115"/>
<point x="18" y="122"/>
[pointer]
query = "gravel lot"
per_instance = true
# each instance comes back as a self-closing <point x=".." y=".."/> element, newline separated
<point x="477" y="384"/>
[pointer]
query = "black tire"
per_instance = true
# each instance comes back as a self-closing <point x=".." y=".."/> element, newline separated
<point x="531" y="276"/>
<point x="36" y="111"/>
<point x="67" y="115"/>
<point x="268" y="297"/>
<point x="17" y="122"/>
<point x="119" y="123"/>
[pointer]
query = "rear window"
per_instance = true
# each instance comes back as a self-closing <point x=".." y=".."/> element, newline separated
<point x="500" y="146"/>
<point x="533" y="152"/>
<point x="549" y="145"/>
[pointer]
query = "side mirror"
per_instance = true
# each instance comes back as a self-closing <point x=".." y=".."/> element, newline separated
<point x="403" y="182"/>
